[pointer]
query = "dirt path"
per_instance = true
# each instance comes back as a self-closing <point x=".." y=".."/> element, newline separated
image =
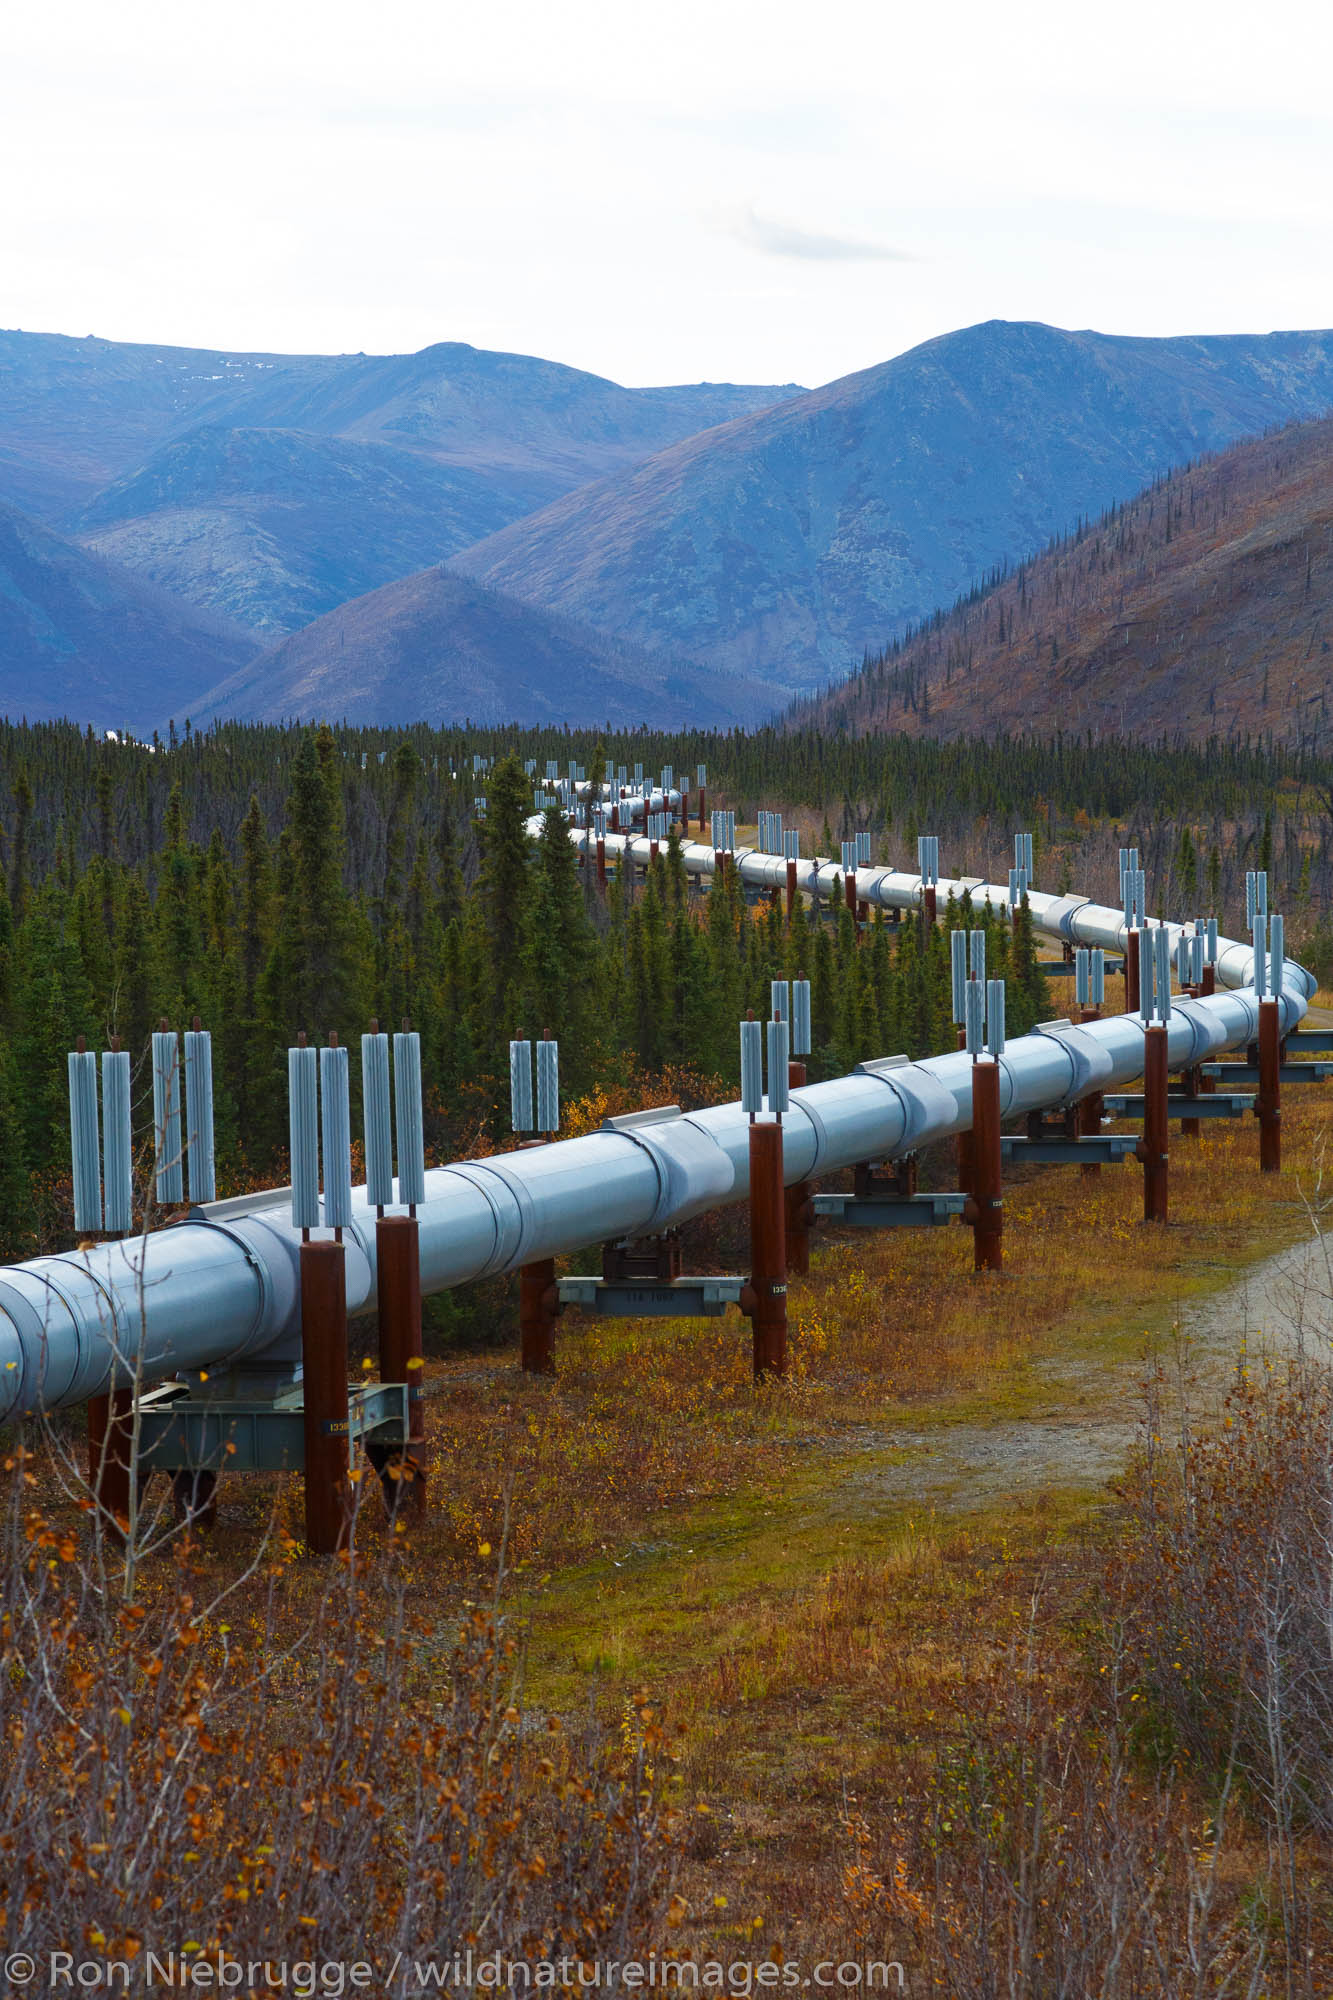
<point x="1079" y="1440"/>
<point x="1281" y="1307"/>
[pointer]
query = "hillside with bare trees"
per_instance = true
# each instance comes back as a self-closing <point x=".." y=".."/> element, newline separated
<point x="1205" y="606"/>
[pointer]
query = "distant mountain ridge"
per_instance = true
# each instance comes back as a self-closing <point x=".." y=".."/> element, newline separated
<point x="742" y="543"/>
<point x="786" y="544"/>
<point x="84" y="639"/>
<point x="440" y="648"/>
<point x="273" y="528"/>
<point x="1203" y="607"/>
<point x="272" y="487"/>
<point x="76" y="415"/>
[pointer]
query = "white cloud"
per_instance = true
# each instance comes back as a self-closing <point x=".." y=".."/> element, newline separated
<point x="323" y="175"/>
<point x="775" y="238"/>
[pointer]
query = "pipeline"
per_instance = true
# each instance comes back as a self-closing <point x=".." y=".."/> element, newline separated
<point x="221" y="1288"/>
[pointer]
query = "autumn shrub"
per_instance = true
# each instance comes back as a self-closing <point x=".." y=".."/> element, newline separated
<point x="1038" y="1864"/>
<point x="261" y="1769"/>
<point x="1226" y="1579"/>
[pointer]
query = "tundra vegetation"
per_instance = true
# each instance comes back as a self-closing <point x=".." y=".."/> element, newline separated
<point x="675" y="1664"/>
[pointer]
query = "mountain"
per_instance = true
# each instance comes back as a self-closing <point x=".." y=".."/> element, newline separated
<point x="82" y="638"/>
<point x="76" y="415"/>
<point x="439" y="648"/>
<point x="468" y="406"/>
<point x="272" y="528"/>
<point x="786" y="544"/>
<point x="272" y="487"/>
<point x="1204" y="607"/>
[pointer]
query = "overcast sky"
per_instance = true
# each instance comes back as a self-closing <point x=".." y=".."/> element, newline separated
<point x="708" y="190"/>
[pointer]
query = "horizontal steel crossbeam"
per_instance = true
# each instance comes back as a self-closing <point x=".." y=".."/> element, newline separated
<point x="1099" y="1149"/>
<point x="673" y="1298"/>
<point x="1302" y="1072"/>
<point x="179" y="1432"/>
<point x="908" y="1211"/>
<point x="1221" y="1104"/>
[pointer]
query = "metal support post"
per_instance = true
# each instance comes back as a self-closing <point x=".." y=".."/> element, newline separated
<point x="601" y="862"/>
<point x="1091" y="1108"/>
<point x="1192" y="1080"/>
<point x="929" y="902"/>
<point x="398" y="1283"/>
<point x="1132" y="972"/>
<point x="791" y="889"/>
<point x="110" y="1442"/>
<point x="765" y="1297"/>
<point x="703" y="808"/>
<point x="324" y="1387"/>
<point x="1089" y="1125"/>
<point x="798" y="1205"/>
<point x="1268" y="1109"/>
<point x="985" y="1209"/>
<point x="538" y="1305"/>
<point x="964" y="1141"/>
<point x="1152" y="1148"/>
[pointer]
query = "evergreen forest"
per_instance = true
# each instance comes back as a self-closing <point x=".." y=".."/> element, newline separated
<point x="276" y="881"/>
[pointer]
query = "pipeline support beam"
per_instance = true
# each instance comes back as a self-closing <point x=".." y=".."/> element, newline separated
<point x="765" y="1298"/>
<point x="985" y="1209"/>
<point x="325" y="1402"/>
<point x="110" y="1453"/>
<point x="1152" y="1148"/>
<point x="538" y="1309"/>
<point x="1268" y="1109"/>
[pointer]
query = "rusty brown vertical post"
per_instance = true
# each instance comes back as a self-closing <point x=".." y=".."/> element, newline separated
<point x="929" y="904"/>
<point x="324" y="1384"/>
<point x="1089" y="1126"/>
<point x="849" y="896"/>
<point x="1090" y="1108"/>
<point x="1152" y="1147"/>
<point x="1132" y="993"/>
<point x="1192" y="1078"/>
<point x="791" y="889"/>
<point x="601" y="861"/>
<point x="798" y="1207"/>
<point x="1268" y="1106"/>
<point x="536" y="1316"/>
<point x="703" y="806"/>
<point x="766" y="1294"/>
<point x="719" y="863"/>
<point x="986" y="1202"/>
<point x="1209" y="984"/>
<point x="110" y="1443"/>
<point x="964" y="1141"/>
<point x="398" y="1283"/>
